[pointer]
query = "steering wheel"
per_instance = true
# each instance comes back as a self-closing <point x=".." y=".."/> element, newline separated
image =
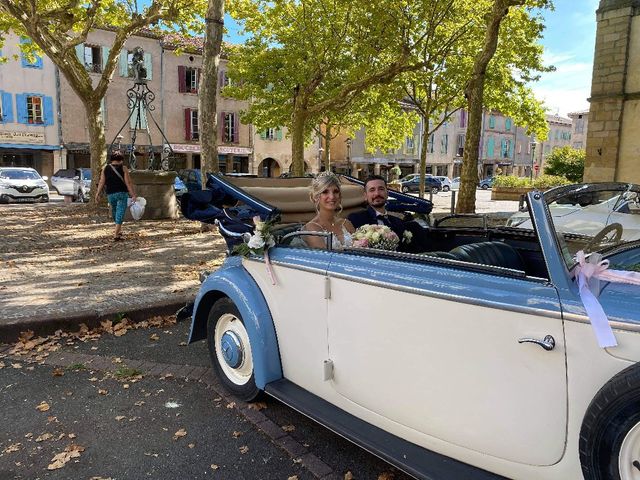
<point x="601" y="236"/>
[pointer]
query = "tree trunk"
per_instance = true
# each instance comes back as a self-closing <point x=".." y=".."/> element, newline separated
<point x="298" y="122"/>
<point x="474" y="92"/>
<point x="327" y="147"/>
<point x="423" y="154"/>
<point x="207" y="111"/>
<point x="97" y="144"/>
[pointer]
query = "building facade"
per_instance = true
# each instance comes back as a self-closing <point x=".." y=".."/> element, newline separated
<point x="29" y="126"/>
<point x="579" y="127"/>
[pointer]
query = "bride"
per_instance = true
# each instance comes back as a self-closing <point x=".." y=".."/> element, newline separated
<point x="326" y="195"/>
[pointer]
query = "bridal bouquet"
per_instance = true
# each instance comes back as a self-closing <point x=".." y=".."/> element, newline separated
<point x="261" y="240"/>
<point x="380" y="237"/>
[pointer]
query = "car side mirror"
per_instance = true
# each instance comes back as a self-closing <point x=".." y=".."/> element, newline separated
<point x="45" y="178"/>
<point x="76" y="177"/>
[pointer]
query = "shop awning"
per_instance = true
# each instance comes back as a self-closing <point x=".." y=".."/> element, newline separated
<point x="14" y="146"/>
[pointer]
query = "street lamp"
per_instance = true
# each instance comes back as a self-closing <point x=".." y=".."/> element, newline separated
<point x="533" y="156"/>
<point x="348" y="142"/>
<point x="119" y="139"/>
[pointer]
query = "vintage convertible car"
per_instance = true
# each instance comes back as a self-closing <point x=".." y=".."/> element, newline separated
<point x="471" y="358"/>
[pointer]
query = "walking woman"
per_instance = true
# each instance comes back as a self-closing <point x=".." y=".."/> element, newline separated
<point x="117" y="182"/>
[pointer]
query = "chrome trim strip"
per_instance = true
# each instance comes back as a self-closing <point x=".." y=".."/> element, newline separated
<point x="288" y="265"/>
<point x="615" y="324"/>
<point x="448" y="296"/>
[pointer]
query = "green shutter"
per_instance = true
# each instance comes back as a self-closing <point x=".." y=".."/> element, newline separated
<point x="80" y="53"/>
<point x="105" y="56"/>
<point x="124" y="63"/>
<point x="278" y="133"/>
<point x="148" y="64"/>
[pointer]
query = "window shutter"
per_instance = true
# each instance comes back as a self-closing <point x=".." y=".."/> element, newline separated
<point x="80" y="53"/>
<point x="148" y="64"/>
<point x="221" y="130"/>
<point x="143" y="117"/>
<point x="182" y="79"/>
<point x="279" y="133"/>
<point x="511" y="146"/>
<point x="236" y="128"/>
<point x="47" y="110"/>
<point x="187" y="122"/>
<point x="105" y="56"/>
<point x="263" y="134"/>
<point x="21" y="107"/>
<point x="39" y="62"/>
<point x="221" y="77"/>
<point x="124" y="63"/>
<point x="198" y="81"/>
<point x="507" y="124"/>
<point x="7" y="108"/>
<point x="103" y="111"/>
<point x="490" y="147"/>
<point x="463" y="118"/>
<point x="492" y="121"/>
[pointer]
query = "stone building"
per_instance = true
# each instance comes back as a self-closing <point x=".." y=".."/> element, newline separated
<point x="613" y="143"/>
<point x="559" y="136"/>
<point x="579" y="126"/>
<point x="29" y="124"/>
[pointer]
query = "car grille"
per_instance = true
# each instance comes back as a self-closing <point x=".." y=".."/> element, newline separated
<point x="24" y="188"/>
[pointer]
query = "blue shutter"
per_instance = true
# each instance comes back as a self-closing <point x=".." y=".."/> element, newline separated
<point x="7" y="108"/>
<point x="47" y="110"/>
<point x="105" y="56"/>
<point x="507" y="124"/>
<point x="492" y="121"/>
<point x="503" y="147"/>
<point x="80" y="53"/>
<point x="21" y="107"/>
<point x="38" y="63"/>
<point x="143" y="117"/>
<point x="148" y="64"/>
<point x="124" y="63"/>
<point x="512" y="144"/>
<point x="490" y="146"/>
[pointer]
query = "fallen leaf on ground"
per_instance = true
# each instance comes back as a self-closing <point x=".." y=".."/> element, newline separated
<point x="12" y="448"/>
<point x="386" y="476"/>
<point x="192" y="445"/>
<point x="120" y="417"/>
<point x="43" y="407"/>
<point x="139" y="403"/>
<point x="58" y="372"/>
<point x="71" y="435"/>
<point x="257" y="405"/>
<point x="102" y="391"/>
<point x="180" y="433"/>
<point x="43" y="437"/>
<point x="236" y="434"/>
<point x="288" y="428"/>
<point x="59" y="460"/>
<point x="214" y="466"/>
<point x="16" y="365"/>
<point x="231" y="405"/>
<point x="154" y="337"/>
<point x="294" y="477"/>
<point x="244" y="449"/>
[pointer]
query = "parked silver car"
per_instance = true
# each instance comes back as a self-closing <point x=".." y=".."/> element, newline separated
<point x="74" y="182"/>
<point x="446" y="183"/>
<point x="22" y="184"/>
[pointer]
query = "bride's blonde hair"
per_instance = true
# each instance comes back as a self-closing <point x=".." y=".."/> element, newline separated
<point x="320" y="183"/>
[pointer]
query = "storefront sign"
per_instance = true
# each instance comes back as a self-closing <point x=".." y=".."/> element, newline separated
<point x="21" y="137"/>
<point x="191" y="148"/>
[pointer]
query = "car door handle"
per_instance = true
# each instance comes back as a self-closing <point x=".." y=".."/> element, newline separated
<point x="548" y="342"/>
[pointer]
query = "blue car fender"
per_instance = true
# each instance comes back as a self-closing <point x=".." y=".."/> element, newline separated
<point x="234" y="282"/>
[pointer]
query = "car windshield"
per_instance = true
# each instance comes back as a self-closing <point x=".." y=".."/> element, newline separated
<point x="19" y="174"/>
<point x="603" y="218"/>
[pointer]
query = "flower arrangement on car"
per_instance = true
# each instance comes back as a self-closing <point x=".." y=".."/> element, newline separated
<point x="379" y="237"/>
<point x="261" y="240"/>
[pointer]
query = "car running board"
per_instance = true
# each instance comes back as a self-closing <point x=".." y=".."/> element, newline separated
<point x="416" y="461"/>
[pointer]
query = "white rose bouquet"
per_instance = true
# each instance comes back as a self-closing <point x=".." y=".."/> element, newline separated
<point x="379" y="237"/>
<point x="262" y="239"/>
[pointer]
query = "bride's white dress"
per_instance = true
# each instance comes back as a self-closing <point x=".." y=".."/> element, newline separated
<point x="347" y="240"/>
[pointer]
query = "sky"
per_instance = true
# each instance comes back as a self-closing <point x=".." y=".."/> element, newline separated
<point x="569" y="42"/>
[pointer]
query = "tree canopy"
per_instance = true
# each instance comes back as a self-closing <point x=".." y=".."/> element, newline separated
<point x="566" y="162"/>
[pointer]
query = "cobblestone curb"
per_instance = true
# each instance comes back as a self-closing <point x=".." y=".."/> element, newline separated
<point x="274" y="432"/>
<point x="47" y="324"/>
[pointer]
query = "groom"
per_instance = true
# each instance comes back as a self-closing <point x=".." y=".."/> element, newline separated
<point x="376" y="194"/>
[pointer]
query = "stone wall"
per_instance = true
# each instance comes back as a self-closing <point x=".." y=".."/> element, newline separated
<point x="158" y="190"/>
<point x="613" y="144"/>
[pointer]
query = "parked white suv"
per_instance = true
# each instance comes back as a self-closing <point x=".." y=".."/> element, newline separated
<point x="74" y="182"/>
<point x="22" y="184"/>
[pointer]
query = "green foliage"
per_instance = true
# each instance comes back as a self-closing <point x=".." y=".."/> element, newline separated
<point x="566" y="161"/>
<point x="543" y="182"/>
<point x="124" y="372"/>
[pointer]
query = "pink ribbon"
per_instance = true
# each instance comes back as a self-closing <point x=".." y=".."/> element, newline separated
<point x="589" y="272"/>
<point x="267" y="262"/>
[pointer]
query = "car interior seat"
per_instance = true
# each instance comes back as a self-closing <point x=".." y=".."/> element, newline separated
<point x="498" y="254"/>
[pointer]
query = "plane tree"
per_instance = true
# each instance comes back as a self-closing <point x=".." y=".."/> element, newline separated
<point x="57" y="27"/>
